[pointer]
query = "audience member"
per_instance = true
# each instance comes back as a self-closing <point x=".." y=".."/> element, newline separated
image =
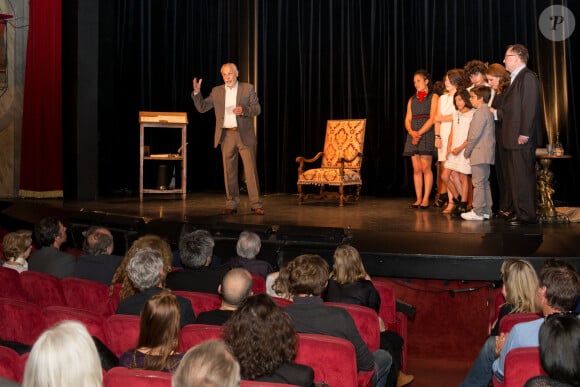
<point x="247" y="248"/>
<point x="196" y="250"/>
<point x="158" y="336"/>
<point x="263" y="340"/>
<point x="234" y="289"/>
<point x="17" y="246"/>
<point x="50" y="234"/>
<point x="277" y="283"/>
<point x="97" y="263"/>
<point x="520" y="284"/>
<point x="480" y="150"/>
<point x="145" y="270"/>
<point x="350" y="283"/>
<point x="209" y="364"/>
<point x="559" y="351"/>
<point x="64" y="355"/>
<point x="520" y="117"/>
<point x="152" y="241"/>
<point x="307" y="279"/>
<point x="559" y="289"/>
<point x="420" y="144"/>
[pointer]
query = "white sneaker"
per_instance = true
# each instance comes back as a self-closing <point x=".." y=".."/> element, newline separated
<point x="471" y="215"/>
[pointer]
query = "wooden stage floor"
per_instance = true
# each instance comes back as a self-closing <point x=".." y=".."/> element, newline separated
<point x="395" y="241"/>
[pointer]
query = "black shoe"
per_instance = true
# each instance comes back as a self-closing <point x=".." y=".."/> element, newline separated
<point x="414" y="206"/>
<point x="441" y="200"/>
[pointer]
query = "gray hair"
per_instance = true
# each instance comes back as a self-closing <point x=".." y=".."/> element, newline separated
<point x="195" y="247"/>
<point x="144" y="268"/>
<point x="249" y="245"/>
<point x="209" y="364"/>
<point x="52" y="355"/>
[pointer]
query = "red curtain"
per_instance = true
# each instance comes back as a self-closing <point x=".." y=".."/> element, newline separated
<point x="41" y="163"/>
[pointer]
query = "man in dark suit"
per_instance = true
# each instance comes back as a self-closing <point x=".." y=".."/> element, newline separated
<point x="520" y="116"/>
<point x="235" y="288"/>
<point x="235" y="105"/>
<point x="196" y="251"/>
<point x="50" y="234"/>
<point x="97" y="262"/>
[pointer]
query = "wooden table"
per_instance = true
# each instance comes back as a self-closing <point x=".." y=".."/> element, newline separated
<point x="163" y="120"/>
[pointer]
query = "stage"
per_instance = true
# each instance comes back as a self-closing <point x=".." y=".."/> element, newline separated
<point x="394" y="240"/>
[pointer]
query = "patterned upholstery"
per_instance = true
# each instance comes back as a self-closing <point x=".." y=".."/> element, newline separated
<point x="341" y="159"/>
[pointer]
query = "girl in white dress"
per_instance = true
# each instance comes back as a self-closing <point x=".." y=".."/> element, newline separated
<point x="457" y="167"/>
<point x="453" y="80"/>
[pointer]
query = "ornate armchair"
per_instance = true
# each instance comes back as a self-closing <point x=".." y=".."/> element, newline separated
<point x="341" y="160"/>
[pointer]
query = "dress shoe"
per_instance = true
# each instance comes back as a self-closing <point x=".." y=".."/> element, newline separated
<point x="403" y="379"/>
<point x="258" y="211"/>
<point x="423" y="207"/>
<point x="521" y="222"/>
<point x="471" y="215"/>
<point x="512" y="218"/>
<point x="414" y="206"/>
<point x="229" y="211"/>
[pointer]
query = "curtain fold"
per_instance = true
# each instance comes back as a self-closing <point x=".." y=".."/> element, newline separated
<point x="41" y="163"/>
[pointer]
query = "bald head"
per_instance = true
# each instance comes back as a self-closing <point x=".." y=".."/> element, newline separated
<point x="98" y="240"/>
<point x="235" y="288"/>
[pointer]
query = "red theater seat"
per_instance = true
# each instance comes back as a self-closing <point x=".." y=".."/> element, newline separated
<point x="259" y="284"/>
<point x="508" y="321"/>
<point x="332" y="358"/>
<point x="88" y="295"/>
<point x="21" y="321"/>
<point x="366" y="321"/>
<point x="10" y="367"/>
<point x="200" y="301"/>
<point x="193" y="334"/>
<point x="122" y="332"/>
<point x="10" y="286"/>
<point x="42" y="289"/>
<point x="521" y="364"/>
<point x="132" y="377"/>
<point x="94" y="322"/>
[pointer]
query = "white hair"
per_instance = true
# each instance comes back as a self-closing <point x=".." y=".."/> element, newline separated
<point x="64" y="356"/>
<point x="249" y="244"/>
<point x="209" y="364"/>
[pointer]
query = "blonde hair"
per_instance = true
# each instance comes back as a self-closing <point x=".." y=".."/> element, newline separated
<point x="64" y="356"/>
<point x="209" y="364"/>
<point x="347" y="266"/>
<point x="121" y="276"/>
<point x="16" y="243"/>
<point x="521" y="283"/>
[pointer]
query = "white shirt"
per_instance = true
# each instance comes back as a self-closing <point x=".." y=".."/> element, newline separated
<point x="229" y="116"/>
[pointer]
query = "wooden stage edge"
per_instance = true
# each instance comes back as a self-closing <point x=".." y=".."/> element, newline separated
<point x="394" y="240"/>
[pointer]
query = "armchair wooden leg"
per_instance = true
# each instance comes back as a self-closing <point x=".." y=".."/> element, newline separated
<point x="300" y="197"/>
<point x="358" y="189"/>
<point x="341" y="193"/>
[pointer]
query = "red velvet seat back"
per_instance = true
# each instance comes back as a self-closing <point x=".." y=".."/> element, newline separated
<point x="520" y="365"/>
<point x="366" y="321"/>
<point x="507" y="322"/>
<point x="94" y="322"/>
<point x="10" y="286"/>
<point x="332" y="358"/>
<point x="281" y="302"/>
<point x="200" y="301"/>
<point x="10" y="364"/>
<point x="42" y="289"/>
<point x="122" y="332"/>
<point x="132" y="377"/>
<point x="20" y="321"/>
<point x="88" y="295"/>
<point x="193" y="334"/>
<point x="259" y="284"/>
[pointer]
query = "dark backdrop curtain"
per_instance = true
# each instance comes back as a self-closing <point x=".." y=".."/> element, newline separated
<point x="41" y="163"/>
<point x="317" y="60"/>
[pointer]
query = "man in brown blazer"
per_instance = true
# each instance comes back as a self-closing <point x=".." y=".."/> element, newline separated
<point x="235" y="105"/>
<point x="520" y="116"/>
